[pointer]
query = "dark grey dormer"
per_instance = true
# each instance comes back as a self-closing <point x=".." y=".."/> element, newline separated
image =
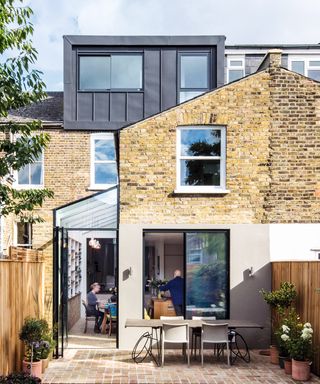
<point x="113" y="81"/>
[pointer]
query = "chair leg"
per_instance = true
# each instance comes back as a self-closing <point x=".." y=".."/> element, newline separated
<point x="228" y="354"/>
<point x="162" y="352"/>
<point x="201" y="352"/>
<point x="192" y="336"/>
<point x="188" y="351"/>
<point x="85" y="326"/>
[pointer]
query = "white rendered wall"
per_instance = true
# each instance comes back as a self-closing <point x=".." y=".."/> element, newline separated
<point x="294" y="241"/>
<point x="249" y="248"/>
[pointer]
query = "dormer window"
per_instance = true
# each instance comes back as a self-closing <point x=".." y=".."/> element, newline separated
<point x="194" y="75"/>
<point x="110" y="72"/>
<point x="201" y="159"/>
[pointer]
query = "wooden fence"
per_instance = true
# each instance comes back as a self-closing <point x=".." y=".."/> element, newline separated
<point x="21" y="295"/>
<point x="306" y="277"/>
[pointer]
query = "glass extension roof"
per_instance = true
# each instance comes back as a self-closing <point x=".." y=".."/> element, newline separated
<point x="98" y="211"/>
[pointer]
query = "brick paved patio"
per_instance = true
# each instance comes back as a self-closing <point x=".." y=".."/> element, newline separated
<point x="113" y="366"/>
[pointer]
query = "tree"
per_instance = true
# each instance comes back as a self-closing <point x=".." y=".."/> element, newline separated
<point x="20" y="85"/>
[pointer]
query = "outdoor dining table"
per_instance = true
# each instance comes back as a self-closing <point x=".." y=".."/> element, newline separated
<point x="148" y="339"/>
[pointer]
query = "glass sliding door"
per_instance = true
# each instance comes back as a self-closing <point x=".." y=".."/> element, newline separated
<point x="207" y="280"/>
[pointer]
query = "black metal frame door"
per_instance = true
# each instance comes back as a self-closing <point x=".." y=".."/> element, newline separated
<point x="60" y="284"/>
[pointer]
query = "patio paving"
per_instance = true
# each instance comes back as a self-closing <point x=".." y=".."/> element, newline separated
<point x="117" y="367"/>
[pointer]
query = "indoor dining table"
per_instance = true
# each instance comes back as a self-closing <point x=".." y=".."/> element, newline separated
<point x="148" y="339"/>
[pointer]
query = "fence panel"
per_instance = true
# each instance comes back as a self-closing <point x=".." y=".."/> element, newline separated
<point x="21" y="295"/>
<point x="306" y="277"/>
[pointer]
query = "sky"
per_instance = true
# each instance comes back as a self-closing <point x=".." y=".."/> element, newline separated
<point x="241" y="21"/>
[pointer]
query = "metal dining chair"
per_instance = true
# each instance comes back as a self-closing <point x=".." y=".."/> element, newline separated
<point x="196" y="334"/>
<point x="175" y="333"/>
<point x="216" y="334"/>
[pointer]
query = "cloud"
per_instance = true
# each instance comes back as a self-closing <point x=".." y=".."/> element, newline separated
<point x="246" y="21"/>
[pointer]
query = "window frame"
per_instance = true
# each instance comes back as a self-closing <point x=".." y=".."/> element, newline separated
<point x="241" y="67"/>
<point x="30" y="186"/>
<point x="306" y="59"/>
<point x="202" y="90"/>
<point x="101" y="136"/>
<point x="109" y="54"/>
<point x="211" y="189"/>
<point x="15" y="229"/>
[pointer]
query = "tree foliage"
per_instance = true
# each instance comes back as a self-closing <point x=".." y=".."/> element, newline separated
<point x="20" y="85"/>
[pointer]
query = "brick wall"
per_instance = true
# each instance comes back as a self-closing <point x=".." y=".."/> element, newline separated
<point x="67" y="173"/>
<point x="272" y="155"/>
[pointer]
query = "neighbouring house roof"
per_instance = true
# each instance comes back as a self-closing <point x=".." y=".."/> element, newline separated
<point x="50" y="110"/>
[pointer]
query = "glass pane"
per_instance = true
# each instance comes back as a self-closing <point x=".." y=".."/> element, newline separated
<point x="200" y="172"/>
<point x="207" y="275"/>
<point x="23" y="175"/>
<point x="235" y="74"/>
<point x="314" y="74"/>
<point x="200" y="142"/>
<point x="105" y="173"/>
<point x="236" y="63"/>
<point x="194" y="71"/>
<point x="314" y="63"/>
<point x="126" y="71"/>
<point x="94" y="72"/>
<point x="24" y="233"/>
<point x="36" y="173"/>
<point x="184" y="96"/>
<point x="298" y="66"/>
<point x="104" y="150"/>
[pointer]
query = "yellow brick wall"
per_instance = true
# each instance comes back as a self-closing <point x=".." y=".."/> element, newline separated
<point x="273" y="163"/>
<point x="67" y="173"/>
<point x="148" y="159"/>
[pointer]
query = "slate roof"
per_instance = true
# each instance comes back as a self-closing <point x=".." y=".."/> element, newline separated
<point x="49" y="110"/>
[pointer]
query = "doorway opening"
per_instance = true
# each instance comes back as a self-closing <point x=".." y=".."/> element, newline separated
<point x="201" y="259"/>
<point x="86" y="252"/>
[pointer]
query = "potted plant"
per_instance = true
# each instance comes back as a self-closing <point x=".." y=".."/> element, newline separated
<point x="155" y="286"/>
<point x="279" y="301"/>
<point x="46" y="348"/>
<point x="298" y="339"/>
<point x="19" y="378"/>
<point x="32" y="333"/>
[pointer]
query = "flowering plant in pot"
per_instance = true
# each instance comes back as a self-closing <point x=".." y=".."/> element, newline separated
<point x="298" y="339"/>
<point x="32" y="333"/>
<point x="279" y="301"/>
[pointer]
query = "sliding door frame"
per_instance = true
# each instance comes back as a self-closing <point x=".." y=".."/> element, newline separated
<point x="184" y="232"/>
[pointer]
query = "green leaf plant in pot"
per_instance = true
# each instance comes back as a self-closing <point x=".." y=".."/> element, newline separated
<point x="279" y="301"/>
<point x="298" y="339"/>
<point x="32" y="334"/>
<point x="46" y="348"/>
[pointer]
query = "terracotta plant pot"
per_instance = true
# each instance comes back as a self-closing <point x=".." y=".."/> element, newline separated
<point x="45" y="363"/>
<point x="288" y="367"/>
<point x="36" y="368"/>
<point x="274" y="355"/>
<point x="300" y="370"/>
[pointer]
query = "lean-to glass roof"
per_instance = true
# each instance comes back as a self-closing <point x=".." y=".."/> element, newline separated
<point x="98" y="211"/>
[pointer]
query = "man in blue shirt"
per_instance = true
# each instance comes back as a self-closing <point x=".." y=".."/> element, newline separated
<point x="176" y="288"/>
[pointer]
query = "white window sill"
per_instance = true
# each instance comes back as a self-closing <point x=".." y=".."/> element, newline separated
<point x="207" y="191"/>
<point x="100" y="187"/>
<point x="28" y="186"/>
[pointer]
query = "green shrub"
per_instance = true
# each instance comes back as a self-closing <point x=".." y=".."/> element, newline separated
<point x="19" y="378"/>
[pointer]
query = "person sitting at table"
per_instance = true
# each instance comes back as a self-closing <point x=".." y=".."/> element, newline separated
<point x="92" y="306"/>
<point x="176" y="288"/>
<point x="111" y="309"/>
